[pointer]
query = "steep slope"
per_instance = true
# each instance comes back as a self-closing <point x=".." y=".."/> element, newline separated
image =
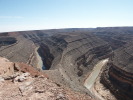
<point x="82" y="51"/>
<point x="20" y="81"/>
<point x="118" y="75"/>
<point x="19" y="50"/>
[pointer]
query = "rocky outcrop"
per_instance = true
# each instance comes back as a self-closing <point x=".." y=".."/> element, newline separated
<point x="6" y="67"/>
<point x="26" y="83"/>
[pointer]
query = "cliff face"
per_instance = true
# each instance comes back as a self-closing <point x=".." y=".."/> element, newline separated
<point x="5" y="39"/>
<point x="118" y="75"/>
<point x="82" y="52"/>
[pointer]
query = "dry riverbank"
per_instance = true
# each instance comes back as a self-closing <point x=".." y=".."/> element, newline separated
<point x="39" y="59"/>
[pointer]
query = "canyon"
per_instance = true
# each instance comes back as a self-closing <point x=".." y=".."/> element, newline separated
<point x="68" y="57"/>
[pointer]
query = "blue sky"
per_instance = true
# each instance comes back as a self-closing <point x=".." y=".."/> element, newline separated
<point x="17" y="15"/>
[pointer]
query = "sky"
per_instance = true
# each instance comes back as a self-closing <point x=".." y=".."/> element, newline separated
<point x="18" y="15"/>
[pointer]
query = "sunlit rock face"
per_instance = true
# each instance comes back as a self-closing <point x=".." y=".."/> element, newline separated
<point x="21" y="81"/>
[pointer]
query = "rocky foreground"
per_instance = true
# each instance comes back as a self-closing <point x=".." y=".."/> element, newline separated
<point x="19" y="81"/>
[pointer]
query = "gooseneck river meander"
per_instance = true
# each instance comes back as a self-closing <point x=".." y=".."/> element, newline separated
<point x="92" y="77"/>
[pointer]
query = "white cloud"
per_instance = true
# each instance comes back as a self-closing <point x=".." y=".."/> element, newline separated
<point x="11" y="17"/>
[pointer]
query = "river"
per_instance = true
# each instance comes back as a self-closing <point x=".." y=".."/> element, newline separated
<point x="92" y="77"/>
<point x="40" y="62"/>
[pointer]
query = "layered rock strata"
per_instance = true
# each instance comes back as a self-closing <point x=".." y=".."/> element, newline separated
<point x="119" y="78"/>
<point x="118" y="75"/>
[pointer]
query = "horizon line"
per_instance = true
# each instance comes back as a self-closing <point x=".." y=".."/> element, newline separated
<point x="66" y="28"/>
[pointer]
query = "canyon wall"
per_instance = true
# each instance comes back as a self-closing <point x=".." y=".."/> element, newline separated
<point x="118" y="74"/>
<point x="74" y="55"/>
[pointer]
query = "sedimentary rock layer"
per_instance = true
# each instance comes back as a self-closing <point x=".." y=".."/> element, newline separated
<point x="118" y="76"/>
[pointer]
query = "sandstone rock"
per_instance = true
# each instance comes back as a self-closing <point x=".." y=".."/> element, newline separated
<point x="2" y="79"/>
<point x="22" y="77"/>
<point x="6" y="67"/>
<point x="27" y="87"/>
